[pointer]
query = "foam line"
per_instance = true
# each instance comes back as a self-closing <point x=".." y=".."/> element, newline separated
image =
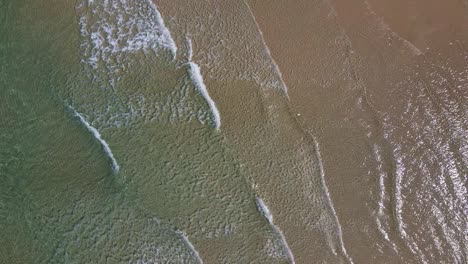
<point x="167" y="39"/>
<point x="191" y="247"/>
<point x="197" y="79"/>
<point x="97" y="135"/>
<point x="329" y="200"/>
<point x="263" y="209"/>
<point x="190" y="49"/>
<point x="267" y="50"/>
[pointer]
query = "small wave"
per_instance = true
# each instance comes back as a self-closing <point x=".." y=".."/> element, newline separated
<point x="386" y="28"/>
<point x="263" y="209"/>
<point x="267" y="50"/>
<point x="191" y="247"/>
<point x="330" y="203"/>
<point x="189" y="49"/>
<point x="197" y="79"/>
<point x="97" y="135"/>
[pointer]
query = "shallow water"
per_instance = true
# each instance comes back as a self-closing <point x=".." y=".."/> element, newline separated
<point x="188" y="132"/>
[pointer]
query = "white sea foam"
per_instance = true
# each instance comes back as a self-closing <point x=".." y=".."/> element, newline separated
<point x="191" y="247"/>
<point x="197" y="79"/>
<point x="111" y="29"/>
<point x="97" y="135"/>
<point x="263" y="209"/>
<point x="189" y="49"/>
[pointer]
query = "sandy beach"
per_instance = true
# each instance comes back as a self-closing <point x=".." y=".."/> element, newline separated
<point x="341" y="61"/>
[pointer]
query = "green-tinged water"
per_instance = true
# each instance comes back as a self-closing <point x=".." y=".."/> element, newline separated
<point x="61" y="201"/>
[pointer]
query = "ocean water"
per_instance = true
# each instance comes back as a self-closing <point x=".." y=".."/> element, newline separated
<point x="163" y="132"/>
<point x="112" y="147"/>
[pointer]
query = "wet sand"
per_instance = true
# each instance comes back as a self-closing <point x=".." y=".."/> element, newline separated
<point x="275" y="154"/>
<point x="343" y="64"/>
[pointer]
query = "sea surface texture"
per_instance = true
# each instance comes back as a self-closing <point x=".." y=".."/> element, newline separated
<point x="309" y="131"/>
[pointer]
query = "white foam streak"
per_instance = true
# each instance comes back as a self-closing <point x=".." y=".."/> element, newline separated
<point x="97" y="135"/>
<point x="327" y="194"/>
<point x="167" y="40"/>
<point x="191" y="247"/>
<point x="382" y="222"/>
<point x="264" y="210"/>
<point x="267" y="50"/>
<point x="197" y="79"/>
<point x="266" y="213"/>
<point x="190" y="49"/>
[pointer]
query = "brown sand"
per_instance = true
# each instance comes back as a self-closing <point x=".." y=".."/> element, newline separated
<point x="340" y="60"/>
